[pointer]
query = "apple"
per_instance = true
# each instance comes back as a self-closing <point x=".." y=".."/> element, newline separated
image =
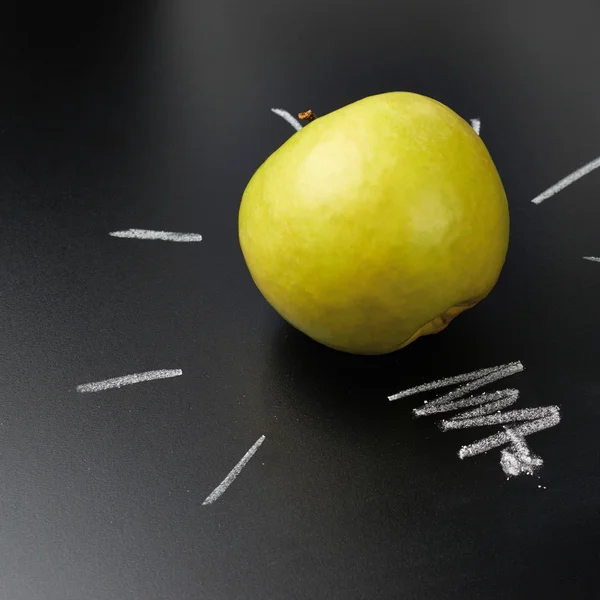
<point x="376" y="223"/>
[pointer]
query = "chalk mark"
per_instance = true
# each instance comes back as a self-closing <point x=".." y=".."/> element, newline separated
<point x="563" y="183"/>
<point x="165" y="236"/>
<point x="448" y="381"/>
<point x="592" y="258"/>
<point x="508" y="396"/>
<point x="523" y="414"/>
<point x="286" y="116"/>
<point x="218" y="491"/>
<point x="437" y="405"/>
<point x="476" y="125"/>
<point x="490" y="402"/>
<point x="517" y="459"/>
<point x="502" y="438"/>
<point x="117" y="382"/>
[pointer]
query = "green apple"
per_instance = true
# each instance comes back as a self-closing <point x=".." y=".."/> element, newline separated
<point x="376" y="224"/>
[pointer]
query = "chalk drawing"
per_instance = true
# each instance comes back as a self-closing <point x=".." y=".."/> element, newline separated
<point x="572" y="178"/>
<point x="218" y="491"/>
<point x="165" y="236"/>
<point x="286" y="116"/>
<point x="476" y="125"/>
<point x="592" y="258"/>
<point x="117" y="382"/>
<point x="517" y="458"/>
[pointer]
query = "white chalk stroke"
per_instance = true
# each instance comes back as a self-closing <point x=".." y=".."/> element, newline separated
<point x="563" y="183"/>
<point x="524" y="414"/>
<point x="443" y="403"/>
<point x="117" y="382"/>
<point x="513" y="367"/>
<point x="592" y="258"/>
<point x="286" y="116"/>
<point x="516" y="459"/>
<point x="218" y="491"/>
<point x="149" y="234"/>
<point x="476" y="125"/>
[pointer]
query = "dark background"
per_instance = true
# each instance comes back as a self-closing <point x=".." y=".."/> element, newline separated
<point x="155" y="115"/>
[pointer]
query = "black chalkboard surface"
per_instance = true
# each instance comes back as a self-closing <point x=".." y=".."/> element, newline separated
<point x="153" y="116"/>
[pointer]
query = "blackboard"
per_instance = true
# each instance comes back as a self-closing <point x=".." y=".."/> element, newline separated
<point x="154" y="115"/>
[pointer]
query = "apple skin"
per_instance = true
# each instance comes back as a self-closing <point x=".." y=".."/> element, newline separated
<point x="376" y="223"/>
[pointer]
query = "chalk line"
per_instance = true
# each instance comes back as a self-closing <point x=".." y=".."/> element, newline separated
<point x="572" y="178"/>
<point x="448" y="381"/>
<point x="285" y="115"/>
<point x="499" y="373"/>
<point x="502" y="438"/>
<point x="490" y="402"/>
<point x="117" y="382"/>
<point x="592" y="258"/>
<point x="149" y="234"/>
<point x="523" y="414"/>
<point x="476" y="125"/>
<point x="216" y="493"/>
<point x="505" y="397"/>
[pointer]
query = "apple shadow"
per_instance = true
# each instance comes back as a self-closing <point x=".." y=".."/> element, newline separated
<point x="351" y="391"/>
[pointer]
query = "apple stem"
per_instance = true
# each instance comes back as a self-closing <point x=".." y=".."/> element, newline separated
<point x="307" y="116"/>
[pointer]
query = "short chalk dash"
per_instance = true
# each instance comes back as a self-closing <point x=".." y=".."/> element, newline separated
<point x="218" y="491"/>
<point x="286" y="116"/>
<point x="568" y="180"/>
<point x="117" y="382"/>
<point x="476" y="125"/>
<point x="149" y="234"/>
<point x="592" y="258"/>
